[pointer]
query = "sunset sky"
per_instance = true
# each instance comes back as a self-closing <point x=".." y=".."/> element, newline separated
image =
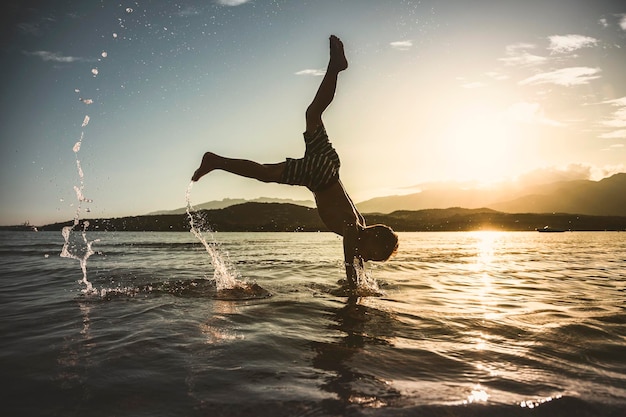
<point x="436" y="91"/>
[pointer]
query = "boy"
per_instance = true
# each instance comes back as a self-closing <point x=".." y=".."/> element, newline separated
<point x="318" y="170"/>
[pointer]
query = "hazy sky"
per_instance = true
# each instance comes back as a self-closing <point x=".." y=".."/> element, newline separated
<point x="436" y="91"/>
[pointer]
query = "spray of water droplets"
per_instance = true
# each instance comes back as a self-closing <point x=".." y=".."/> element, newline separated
<point x="366" y="285"/>
<point x="224" y="272"/>
<point x="79" y="248"/>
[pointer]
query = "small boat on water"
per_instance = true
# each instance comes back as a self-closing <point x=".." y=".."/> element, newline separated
<point x="548" y="229"/>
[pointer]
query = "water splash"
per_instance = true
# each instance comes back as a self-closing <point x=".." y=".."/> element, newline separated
<point x="224" y="273"/>
<point x="80" y="248"/>
<point x="366" y="285"/>
<point x="71" y="250"/>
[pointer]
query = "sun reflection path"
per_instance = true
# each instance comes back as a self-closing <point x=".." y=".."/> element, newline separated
<point x="485" y="243"/>
<point x="487" y="294"/>
<point x="491" y="289"/>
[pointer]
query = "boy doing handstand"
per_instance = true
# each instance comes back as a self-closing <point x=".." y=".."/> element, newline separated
<point x="318" y="170"/>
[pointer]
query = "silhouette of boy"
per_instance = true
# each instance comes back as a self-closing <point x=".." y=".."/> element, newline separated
<point x="318" y="170"/>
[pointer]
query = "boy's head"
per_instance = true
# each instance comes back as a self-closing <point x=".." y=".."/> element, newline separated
<point x="377" y="243"/>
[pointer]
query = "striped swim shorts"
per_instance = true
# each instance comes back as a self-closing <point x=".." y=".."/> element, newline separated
<point x="318" y="168"/>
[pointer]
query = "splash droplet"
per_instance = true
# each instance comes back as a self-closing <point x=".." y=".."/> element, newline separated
<point x="104" y="54"/>
<point x="114" y="35"/>
<point x="85" y="121"/>
<point x="129" y="10"/>
<point x="94" y="71"/>
<point x="223" y="271"/>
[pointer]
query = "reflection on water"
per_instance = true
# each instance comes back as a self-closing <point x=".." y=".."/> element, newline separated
<point x="216" y="328"/>
<point x="465" y="323"/>
<point x="75" y="359"/>
<point x="360" y="326"/>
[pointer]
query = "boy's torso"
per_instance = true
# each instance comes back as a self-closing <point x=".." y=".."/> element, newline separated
<point x="335" y="208"/>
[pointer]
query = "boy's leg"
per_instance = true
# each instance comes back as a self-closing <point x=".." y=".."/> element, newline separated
<point x="241" y="167"/>
<point x="274" y="172"/>
<point x="326" y="90"/>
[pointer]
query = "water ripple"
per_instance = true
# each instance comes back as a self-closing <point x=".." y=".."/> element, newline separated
<point x="467" y="324"/>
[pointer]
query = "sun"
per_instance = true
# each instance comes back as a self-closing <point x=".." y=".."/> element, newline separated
<point x="479" y="143"/>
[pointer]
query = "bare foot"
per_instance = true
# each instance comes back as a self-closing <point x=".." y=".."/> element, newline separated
<point x="207" y="165"/>
<point x="338" y="61"/>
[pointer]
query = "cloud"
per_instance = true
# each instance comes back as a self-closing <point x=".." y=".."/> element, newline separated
<point x="565" y="76"/>
<point x="470" y="84"/>
<point x="402" y="45"/>
<point x="29" y="28"/>
<point x="37" y="27"/>
<point x="621" y="21"/>
<point x="616" y="102"/>
<point x="530" y="113"/>
<point x="618" y="117"/>
<point x="476" y="84"/>
<point x="517" y="55"/>
<point x="571" y="172"/>
<point x="313" y="72"/>
<point x="497" y="76"/>
<point x="617" y="134"/>
<point x="188" y="12"/>
<point x="54" y="57"/>
<point x="232" y="2"/>
<point x="568" y="43"/>
<point x="614" y="148"/>
<point x="520" y="46"/>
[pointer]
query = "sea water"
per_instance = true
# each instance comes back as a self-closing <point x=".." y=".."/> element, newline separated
<point x="515" y="324"/>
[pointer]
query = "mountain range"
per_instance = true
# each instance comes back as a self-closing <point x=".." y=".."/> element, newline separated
<point x="228" y="202"/>
<point x="281" y="217"/>
<point x="569" y="205"/>
<point x="596" y="198"/>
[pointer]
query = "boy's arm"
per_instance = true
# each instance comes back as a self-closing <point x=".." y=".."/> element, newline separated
<point x="350" y="240"/>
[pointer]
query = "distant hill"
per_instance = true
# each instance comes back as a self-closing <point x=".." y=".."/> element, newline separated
<point x="590" y="205"/>
<point x="227" y="202"/>
<point x="275" y="217"/>
<point x="600" y="198"/>
<point x="247" y="217"/>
